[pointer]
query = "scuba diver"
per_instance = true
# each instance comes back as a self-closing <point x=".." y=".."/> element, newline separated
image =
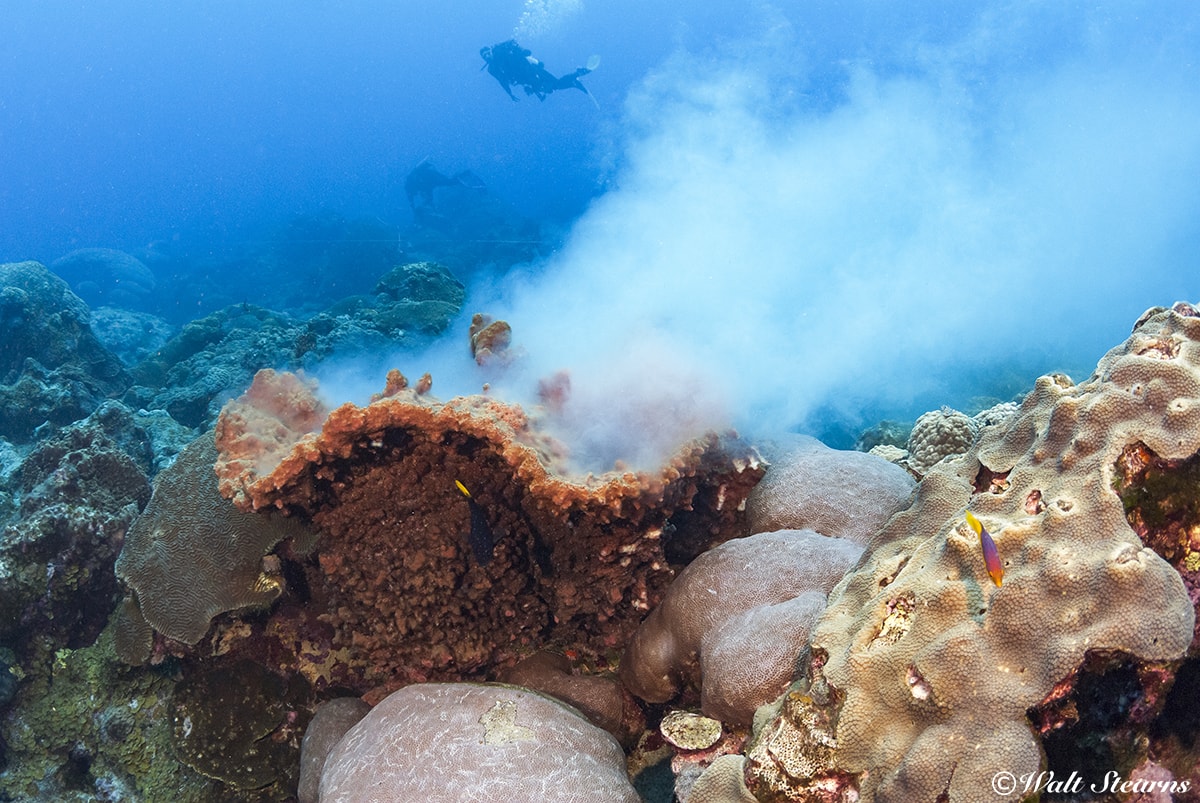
<point x="513" y="65"/>
<point x="420" y="183"/>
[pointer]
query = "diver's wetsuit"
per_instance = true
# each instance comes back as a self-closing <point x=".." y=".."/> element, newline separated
<point x="513" y="65"/>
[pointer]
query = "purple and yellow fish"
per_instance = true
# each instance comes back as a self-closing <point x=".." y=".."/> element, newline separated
<point x="991" y="555"/>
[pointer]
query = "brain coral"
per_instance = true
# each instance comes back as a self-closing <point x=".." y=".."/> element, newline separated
<point x="939" y="434"/>
<point x="454" y="742"/>
<point x="923" y="670"/>
<point x="736" y="620"/>
<point x="573" y="560"/>
<point x="191" y="555"/>
<point x="841" y="494"/>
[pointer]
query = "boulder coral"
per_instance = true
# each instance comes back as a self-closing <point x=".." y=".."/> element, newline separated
<point x="838" y="493"/>
<point x="925" y="673"/>
<point x="736" y="621"/>
<point x="450" y="742"/>
<point x="571" y="560"/>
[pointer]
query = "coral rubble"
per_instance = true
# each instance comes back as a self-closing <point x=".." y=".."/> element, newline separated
<point x="924" y="675"/>
<point x="576" y="560"/>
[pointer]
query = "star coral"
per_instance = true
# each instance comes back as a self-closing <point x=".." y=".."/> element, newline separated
<point x="923" y="674"/>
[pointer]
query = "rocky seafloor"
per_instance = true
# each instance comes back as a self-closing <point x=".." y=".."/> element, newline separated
<point x="215" y="587"/>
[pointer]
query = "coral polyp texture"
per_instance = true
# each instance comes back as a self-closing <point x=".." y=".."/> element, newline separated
<point x="568" y="560"/>
<point x="924" y="671"/>
<point x="736" y="620"/>
<point x="451" y="742"/>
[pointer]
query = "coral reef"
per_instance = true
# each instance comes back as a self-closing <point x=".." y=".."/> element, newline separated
<point x="450" y="742"/>
<point x="52" y="368"/>
<point x="78" y="493"/>
<point x="106" y="276"/>
<point x="841" y="494"/>
<point x="212" y="357"/>
<point x="395" y="578"/>
<point x="735" y="621"/>
<point x="191" y="555"/>
<point x="85" y="729"/>
<point x="924" y="674"/>
<point x="132" y="336"/>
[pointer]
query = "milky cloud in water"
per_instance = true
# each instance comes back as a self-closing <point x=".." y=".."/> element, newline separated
<point x="766" y="255"/>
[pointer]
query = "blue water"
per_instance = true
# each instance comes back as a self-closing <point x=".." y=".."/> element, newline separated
<point x="836" y="211"/>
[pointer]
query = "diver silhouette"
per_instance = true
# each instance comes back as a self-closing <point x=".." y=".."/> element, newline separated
<point x="513" y="65"/>
<point x="422" y="180"/>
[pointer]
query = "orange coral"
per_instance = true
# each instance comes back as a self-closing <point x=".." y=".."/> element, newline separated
<point x="577" y="560"/>
<point x="489" y="339"/>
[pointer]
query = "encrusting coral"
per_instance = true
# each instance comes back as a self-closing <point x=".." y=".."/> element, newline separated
<point x="924" y="670"/>
<point x="401" y="591"/>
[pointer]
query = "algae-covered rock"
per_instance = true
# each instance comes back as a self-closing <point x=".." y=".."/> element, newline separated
<point x="52" y="368"/>
<point x="240" y="724"/>
<point x="84" y="729"/>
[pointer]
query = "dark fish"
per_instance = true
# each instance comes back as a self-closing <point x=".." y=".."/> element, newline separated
<point x="480" y="537"/>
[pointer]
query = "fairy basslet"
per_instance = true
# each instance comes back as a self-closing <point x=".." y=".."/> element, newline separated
<point x="991" y="555"/>
<point x="481" y="539"/>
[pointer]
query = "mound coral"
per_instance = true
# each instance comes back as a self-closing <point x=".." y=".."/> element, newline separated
<point x="937" y="435"/>
<point x="458" y="741"/>
<point x="397" y="579"/>
<point x="736" y="620"/>
<point x="838" y="493"/>
<point x="924" y="672"/>
<point x="329" y="724"/>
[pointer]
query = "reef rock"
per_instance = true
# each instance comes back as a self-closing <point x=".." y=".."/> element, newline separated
<point x="107" y="277"/>
<point x="600" y="698"/>
<point x="736" y="620"/>
<point x="78" y="494"/>
<point x="52" y="368"/>
<point x="450" y="742"/>
<point x="925" y="673"/>
<point x="419" y="581"/>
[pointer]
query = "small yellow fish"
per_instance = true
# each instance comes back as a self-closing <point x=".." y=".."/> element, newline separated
<point x="991" y="555"/>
